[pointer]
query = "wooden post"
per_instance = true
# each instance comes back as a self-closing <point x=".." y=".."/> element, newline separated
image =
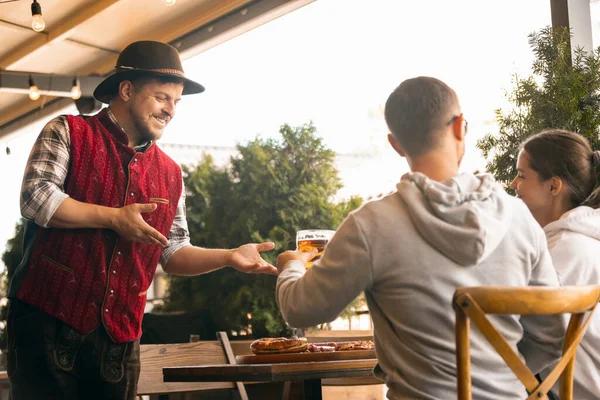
<point x="576" y="16"/>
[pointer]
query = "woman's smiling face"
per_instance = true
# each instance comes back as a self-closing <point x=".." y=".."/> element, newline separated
<point x="531" y="188"/>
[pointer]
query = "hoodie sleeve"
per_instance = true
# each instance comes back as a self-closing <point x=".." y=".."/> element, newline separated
<point x="573" y="260"/>
<point x="320" y="294"/>
<point x="543" y="335"/>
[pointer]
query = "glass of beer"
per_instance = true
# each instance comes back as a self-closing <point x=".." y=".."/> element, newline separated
<point x="309" y="239"/>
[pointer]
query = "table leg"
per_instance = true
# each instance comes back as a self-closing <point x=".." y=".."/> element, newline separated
<point x="312" y="389"/>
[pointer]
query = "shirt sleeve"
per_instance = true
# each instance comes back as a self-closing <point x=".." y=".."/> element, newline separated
<point x="543" y="334"/>
<point x="42" y="189"/>
<point x="308" y="298"/>
<point x="179" y="236"/>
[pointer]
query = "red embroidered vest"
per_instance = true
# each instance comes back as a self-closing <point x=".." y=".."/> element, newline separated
<point x="88" y="276"/>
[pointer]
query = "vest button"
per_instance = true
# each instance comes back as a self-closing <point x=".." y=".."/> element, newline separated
<point x="111" y="291"/>
<point x="131" y="194"/>
<point x="135" y="159"/>
<point x="106" y="310"/>
<point x="114" y="272"/>
<point x="118" y="253"/>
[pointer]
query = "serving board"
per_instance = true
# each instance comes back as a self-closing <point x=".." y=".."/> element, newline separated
<point x="305" y="357"/>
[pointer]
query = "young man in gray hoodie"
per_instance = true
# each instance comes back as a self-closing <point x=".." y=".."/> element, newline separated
<point x="410" y="250"/>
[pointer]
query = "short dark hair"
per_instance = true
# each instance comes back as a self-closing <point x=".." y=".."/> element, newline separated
<point x="568" y="156"/>
<point x="416" y="111"/>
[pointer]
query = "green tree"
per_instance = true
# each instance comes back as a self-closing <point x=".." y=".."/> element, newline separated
<point x="270" y="190"/>
<point x="562" y="92"/>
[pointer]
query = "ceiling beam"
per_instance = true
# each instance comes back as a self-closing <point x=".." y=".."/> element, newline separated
<point x="18" y="27"/>
<point x="61" y="31"/>
<point x="243" y="20"/>
<point x="205" y="14"/>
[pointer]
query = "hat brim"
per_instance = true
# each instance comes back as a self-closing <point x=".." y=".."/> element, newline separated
<point x="107" y="89"/>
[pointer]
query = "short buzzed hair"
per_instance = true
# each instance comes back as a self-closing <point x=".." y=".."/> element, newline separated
<point x="417" y="110"/>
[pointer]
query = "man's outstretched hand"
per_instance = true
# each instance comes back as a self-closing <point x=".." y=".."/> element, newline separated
<point x="247" y="259"/>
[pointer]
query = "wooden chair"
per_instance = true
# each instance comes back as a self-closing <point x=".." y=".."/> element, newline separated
<point x="472" y="303"/>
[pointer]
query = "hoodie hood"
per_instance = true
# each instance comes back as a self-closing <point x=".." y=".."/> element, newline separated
<point x="583" y="220"/>
<point x="465" y="218"/>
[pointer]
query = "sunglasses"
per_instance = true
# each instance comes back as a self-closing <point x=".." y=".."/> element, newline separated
<point x="464" y="121"/>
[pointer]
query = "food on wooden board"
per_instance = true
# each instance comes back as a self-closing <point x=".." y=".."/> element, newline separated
<point x="294" y="344"/>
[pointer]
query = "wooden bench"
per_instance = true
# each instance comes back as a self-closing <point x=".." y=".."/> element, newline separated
<point x="4" y="386"/>
<point x="154" y="357"/>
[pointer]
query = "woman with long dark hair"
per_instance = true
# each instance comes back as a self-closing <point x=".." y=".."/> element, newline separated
<point x="557" y="179"/>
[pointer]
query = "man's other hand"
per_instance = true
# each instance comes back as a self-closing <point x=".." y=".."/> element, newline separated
<point x="290" y="255"/>
<point x="128" y="223"/>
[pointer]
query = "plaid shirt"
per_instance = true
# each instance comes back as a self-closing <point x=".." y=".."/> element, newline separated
<point x="42" y="190"/>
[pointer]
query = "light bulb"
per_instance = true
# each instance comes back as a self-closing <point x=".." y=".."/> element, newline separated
<point x="37" y="23"/>
<point x="169" y="2"/>
<point x="75" y="90"/>
<point x="34" y="92"/>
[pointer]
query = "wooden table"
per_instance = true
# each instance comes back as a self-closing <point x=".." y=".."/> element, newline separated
<point x="310" y="373"/>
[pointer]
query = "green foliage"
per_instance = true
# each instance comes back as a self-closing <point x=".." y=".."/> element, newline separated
<point x="562" y="93"/>
<point x="270" y="190"/>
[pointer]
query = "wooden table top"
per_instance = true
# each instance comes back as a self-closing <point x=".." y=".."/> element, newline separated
<point x="270" y="372"/>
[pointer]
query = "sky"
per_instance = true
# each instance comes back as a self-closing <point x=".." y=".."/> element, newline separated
<point x="334" y="62"/>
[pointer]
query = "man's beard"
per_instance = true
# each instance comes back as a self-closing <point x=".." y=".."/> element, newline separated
<point x="144" y="131"/>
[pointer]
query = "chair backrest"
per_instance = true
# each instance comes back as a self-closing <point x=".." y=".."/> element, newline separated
<point x="154" y="357"/>
<point x="472" y="303"/>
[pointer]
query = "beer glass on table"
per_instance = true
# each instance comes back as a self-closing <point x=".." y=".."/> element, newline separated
<point x="308" y="239"/>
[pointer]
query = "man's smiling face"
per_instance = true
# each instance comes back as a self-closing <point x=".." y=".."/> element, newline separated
<point x="152" y="106"/>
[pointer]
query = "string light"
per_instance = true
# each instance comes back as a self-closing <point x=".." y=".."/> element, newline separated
<point x="34" y="91"/>
<point x="37" y="22"/>
<point x="76" y="89"/>
<point x="169" y="2"/>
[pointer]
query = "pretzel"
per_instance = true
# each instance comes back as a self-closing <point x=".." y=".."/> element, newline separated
<point x="279" y="345"/>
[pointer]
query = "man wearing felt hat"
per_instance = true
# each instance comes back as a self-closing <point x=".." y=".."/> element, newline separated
<point x="104" y="205"/>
